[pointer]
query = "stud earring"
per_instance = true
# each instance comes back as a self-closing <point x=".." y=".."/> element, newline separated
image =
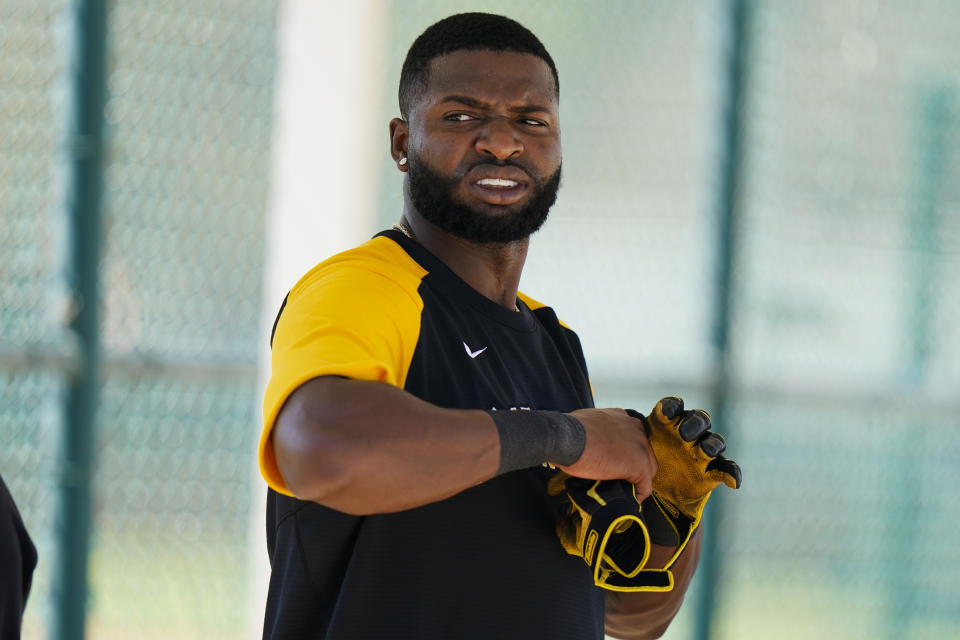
<point x="403" y="161"/>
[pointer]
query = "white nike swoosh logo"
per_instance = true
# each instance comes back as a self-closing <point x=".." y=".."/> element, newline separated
<point x="473" y="354"/>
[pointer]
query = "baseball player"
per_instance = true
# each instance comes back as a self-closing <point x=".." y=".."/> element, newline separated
<point x="420" y="409"/>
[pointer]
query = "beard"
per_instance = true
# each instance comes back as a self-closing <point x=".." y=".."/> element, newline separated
<point x="433" y="196"/>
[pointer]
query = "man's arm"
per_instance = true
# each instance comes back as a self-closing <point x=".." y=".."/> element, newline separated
<point x="647" y="614"/>
<point x="369" y="447"/>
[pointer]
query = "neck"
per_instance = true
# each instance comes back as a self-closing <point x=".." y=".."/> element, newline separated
<point x="492" y="269"/>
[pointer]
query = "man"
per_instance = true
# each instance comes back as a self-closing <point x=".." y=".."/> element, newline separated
<point x="415" y="394"/>
<point x="18" y="558"/>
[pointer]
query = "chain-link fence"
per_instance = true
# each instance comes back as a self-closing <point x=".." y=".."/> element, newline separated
<point x="841" y="369"/>
<point x="840" y="374"/>
<point x="32" y="241"/>
<point x="845" y="354"/>
<point x="188" y="121"/>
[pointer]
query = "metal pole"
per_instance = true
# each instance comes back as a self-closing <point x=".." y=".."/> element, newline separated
<point x="85" y="148"/>
<point x="905" y="508"/>
<point x="727" y="205"/>
<point x="935" y="120"/>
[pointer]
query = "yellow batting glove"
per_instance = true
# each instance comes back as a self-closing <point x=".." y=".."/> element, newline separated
<point x="690" y="467"/>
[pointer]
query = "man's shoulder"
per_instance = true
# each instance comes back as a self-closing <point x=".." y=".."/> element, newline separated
<point x="372" y="263"/>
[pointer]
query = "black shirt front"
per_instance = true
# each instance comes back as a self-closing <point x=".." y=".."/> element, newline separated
<point x="485" y="563"/>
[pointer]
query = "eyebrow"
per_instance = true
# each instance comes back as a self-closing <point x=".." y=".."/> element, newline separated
<point x="480" y="104"/>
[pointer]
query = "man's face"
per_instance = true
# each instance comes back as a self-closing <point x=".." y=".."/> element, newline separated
<point x="484" y="145"/>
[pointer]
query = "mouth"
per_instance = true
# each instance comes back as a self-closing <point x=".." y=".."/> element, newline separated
<point x="503" y="187"/>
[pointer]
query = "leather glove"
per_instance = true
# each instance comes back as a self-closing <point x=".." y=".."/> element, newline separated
<point x="690" y="467"/>
<point x="604" y="525"/>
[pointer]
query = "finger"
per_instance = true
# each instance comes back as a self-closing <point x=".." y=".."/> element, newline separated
<point x="712" y="444"/>
<point x="671" y="407"/>
<point x="729" y="470"/>
<point x="643" y="481"/>
<point x="654" y="465"/>
<point x="648" y="480"/>
<point x="643" y="490"/>
<point x="694" y="425"/>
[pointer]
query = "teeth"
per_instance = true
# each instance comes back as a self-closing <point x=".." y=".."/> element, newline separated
<point x="497" y="182"/>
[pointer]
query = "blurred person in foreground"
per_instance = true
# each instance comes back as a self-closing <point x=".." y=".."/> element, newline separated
<point x="18" y="558"/>
<point x="416" y="396"/>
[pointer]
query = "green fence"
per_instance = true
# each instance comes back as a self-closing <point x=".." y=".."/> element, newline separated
<point x="184" y="178"/>
<point x="775" y="235"/>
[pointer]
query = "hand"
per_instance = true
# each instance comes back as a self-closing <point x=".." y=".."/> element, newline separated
<point x="690" y="468"/>
<point x="616" y="448"/>
<point x="688" y="454"/>
<point x="602" y="524"/>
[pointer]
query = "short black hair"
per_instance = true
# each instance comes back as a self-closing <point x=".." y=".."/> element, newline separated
<point x="465" y="31"/>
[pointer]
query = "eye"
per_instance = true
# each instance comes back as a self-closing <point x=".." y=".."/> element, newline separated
<point x="532" y="122"/>
<point x="459" y="117"/>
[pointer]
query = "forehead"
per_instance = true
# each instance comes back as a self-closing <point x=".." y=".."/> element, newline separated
<point x="492" y="76"/>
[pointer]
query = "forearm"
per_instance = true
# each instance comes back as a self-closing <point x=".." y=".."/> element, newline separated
<point x="367" y="447"/>
<point x="643" y="615"/>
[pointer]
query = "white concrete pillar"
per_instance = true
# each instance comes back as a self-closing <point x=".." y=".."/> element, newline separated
<point x="327" y="150"/>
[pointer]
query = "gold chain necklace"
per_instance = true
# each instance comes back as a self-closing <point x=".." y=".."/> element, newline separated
<point x="403" y="228"/>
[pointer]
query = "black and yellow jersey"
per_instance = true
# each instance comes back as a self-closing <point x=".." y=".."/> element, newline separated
<point x="484" y="563"/>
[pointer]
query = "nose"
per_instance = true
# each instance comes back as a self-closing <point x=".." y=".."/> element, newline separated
<point x="499" y="139"/>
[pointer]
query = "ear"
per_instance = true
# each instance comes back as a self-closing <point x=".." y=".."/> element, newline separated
<point x="399" y="135"/>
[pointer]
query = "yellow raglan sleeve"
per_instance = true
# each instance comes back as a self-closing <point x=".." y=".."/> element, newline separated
<point x="342" y="319"/>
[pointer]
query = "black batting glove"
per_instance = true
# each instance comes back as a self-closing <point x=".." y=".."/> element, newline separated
<point x="603" y="524"/>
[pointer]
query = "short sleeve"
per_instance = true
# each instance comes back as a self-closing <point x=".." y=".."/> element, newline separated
<point x="351" y="316"/>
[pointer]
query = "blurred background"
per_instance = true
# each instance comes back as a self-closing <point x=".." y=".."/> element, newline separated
<point x="760" y="212"/>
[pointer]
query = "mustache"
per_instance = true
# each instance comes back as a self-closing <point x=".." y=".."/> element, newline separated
<point x="493" y="162"/>
<point x="496" y="163"/>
